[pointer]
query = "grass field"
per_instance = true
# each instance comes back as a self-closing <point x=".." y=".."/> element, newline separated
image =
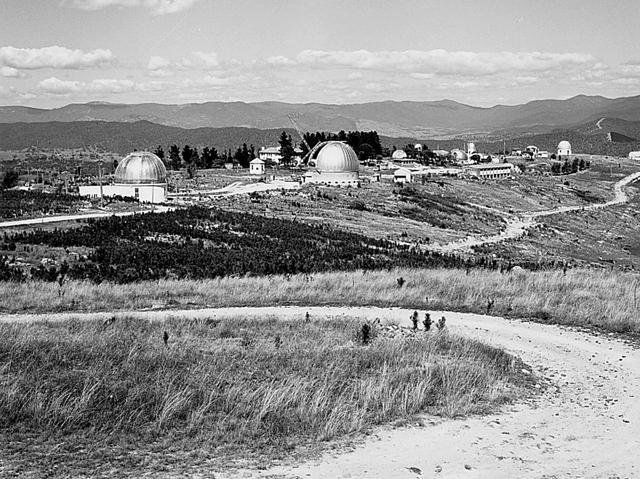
<point x="604" y="299"/>
<point x="81" y="398"/>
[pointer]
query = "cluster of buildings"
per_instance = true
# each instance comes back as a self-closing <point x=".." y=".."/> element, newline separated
<point x="143" y="176"/>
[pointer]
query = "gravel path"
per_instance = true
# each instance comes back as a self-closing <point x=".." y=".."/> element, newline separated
<point x="518" y="226"/>
<point x="585" y="424"/>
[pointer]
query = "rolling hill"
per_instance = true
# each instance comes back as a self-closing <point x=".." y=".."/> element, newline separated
<point x="434" y="119"/>
<point x="123" y="138"/>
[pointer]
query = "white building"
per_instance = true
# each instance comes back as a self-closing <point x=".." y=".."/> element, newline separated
<point x="471" y="148"/>
<point x="256" y="167"/>
<point x="271" y="153"/>
<point x="634" y="155"/>
<point x="564" y="148"/>
<point x="489" y="171"/>
<point x="140" y="175"/>
<point x="336" y="164"/>
<point x="532" y="150"/>
<point x="402" y="175"/>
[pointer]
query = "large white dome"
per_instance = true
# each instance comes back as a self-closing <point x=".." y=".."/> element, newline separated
<point x="399" y="155"/>
<point x="564" y="145"/>
<point x="139" y="168"/>
<point x="337" y="157"/>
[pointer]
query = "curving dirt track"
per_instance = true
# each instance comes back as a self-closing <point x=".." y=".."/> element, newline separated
<point x="585" y="423"/>
<point x="518" y="226"/>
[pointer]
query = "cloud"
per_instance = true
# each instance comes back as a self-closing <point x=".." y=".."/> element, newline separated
<point x="443" y="61"/>
<point x="55" y="86"/>
<point x="196" y="61"/>
<point x="157" y="7"/>
<point x="53" y="57"/>
<point x="8" y="72"/>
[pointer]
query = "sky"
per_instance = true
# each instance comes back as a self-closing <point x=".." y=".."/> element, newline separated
<point x="479" y="52"/>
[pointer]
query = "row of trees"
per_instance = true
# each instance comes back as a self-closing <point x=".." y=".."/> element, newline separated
<point x="190" y="158"/>
<point x="365" y="143"/>
<point x="568" y="167"/>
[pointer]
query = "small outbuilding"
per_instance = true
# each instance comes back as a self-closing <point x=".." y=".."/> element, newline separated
<point x="256" y="167"/>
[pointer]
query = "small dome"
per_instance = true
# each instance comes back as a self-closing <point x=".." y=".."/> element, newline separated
<point x="141" y="167"/>
<point x="459" y="155"/>
<point x="337" y="157"/>
<point x="564" y="145"/>
<point x="418" y="146"/>
<point x="399" y="155"/>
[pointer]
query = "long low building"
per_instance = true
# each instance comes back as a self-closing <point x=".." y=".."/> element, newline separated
<point x="410" y="175"/>
<point x="489" y="171"/>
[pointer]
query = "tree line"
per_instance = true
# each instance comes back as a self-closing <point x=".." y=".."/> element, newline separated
<point x="192" y="159"/>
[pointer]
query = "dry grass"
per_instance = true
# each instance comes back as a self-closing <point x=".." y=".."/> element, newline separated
<point x="597" y="298"/>
<point x="226" y="387"/>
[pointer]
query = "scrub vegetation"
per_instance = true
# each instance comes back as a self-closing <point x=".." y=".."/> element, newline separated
<point x="597" y="298"/>
<point x="253" y="389"/>
<point x="198" y="243"/>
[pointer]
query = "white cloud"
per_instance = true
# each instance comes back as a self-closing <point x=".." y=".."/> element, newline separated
<point x="55" y="86"/>
<point x="201" y="61"/>
<point x="8" y="72"/>
<point x="53" y="57"/>
<point x="158" y="63"/>
<point x="443" y="61"/>
<point x="196" y="61"/>
<point x="157" y="7"/>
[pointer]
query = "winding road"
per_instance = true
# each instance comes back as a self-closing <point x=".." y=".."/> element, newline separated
<point x="517" y="226"/>
<point x="584" y="423"/>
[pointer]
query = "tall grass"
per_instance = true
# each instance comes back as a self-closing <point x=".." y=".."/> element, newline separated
<point x="228" y="384"/>
<point x="583" y="297"/>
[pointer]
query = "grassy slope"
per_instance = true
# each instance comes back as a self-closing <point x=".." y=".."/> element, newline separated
<point x="77" y="398"/>
<point x="583" y="297"/>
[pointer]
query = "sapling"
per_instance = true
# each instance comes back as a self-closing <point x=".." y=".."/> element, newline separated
<point x="366" y="333"/>
<point x="489" y="305"/>
<point x="414" y="320"/>
<point x="427" y="322"/>
<point x="400" y="281"/>
<point x="442" y="323"/>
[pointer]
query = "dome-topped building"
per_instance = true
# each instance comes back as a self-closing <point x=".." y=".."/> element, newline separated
<point x="140" y="175"/>
<point x="335" y="164"/>
<point x="564" y="148"/>
<point x="141" y="168"/>
<point x="399" y="155"/>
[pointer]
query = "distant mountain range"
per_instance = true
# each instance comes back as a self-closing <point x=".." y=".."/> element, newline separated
<point x="609" y="137"/>
<point x="434" y="120"/>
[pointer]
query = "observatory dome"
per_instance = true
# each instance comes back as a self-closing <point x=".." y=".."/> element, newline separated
<point x="337" y="157"/>
<point x="564" y="145"/>
<point x="140" y="168"/>
<point x="459" y="155"/>
<point x="399" y="155"/>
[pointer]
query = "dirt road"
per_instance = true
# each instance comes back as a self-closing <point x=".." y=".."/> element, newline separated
<point x="517" y="226"/>
<point x="79" y="216"/>
<point x="586" y="424"/>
